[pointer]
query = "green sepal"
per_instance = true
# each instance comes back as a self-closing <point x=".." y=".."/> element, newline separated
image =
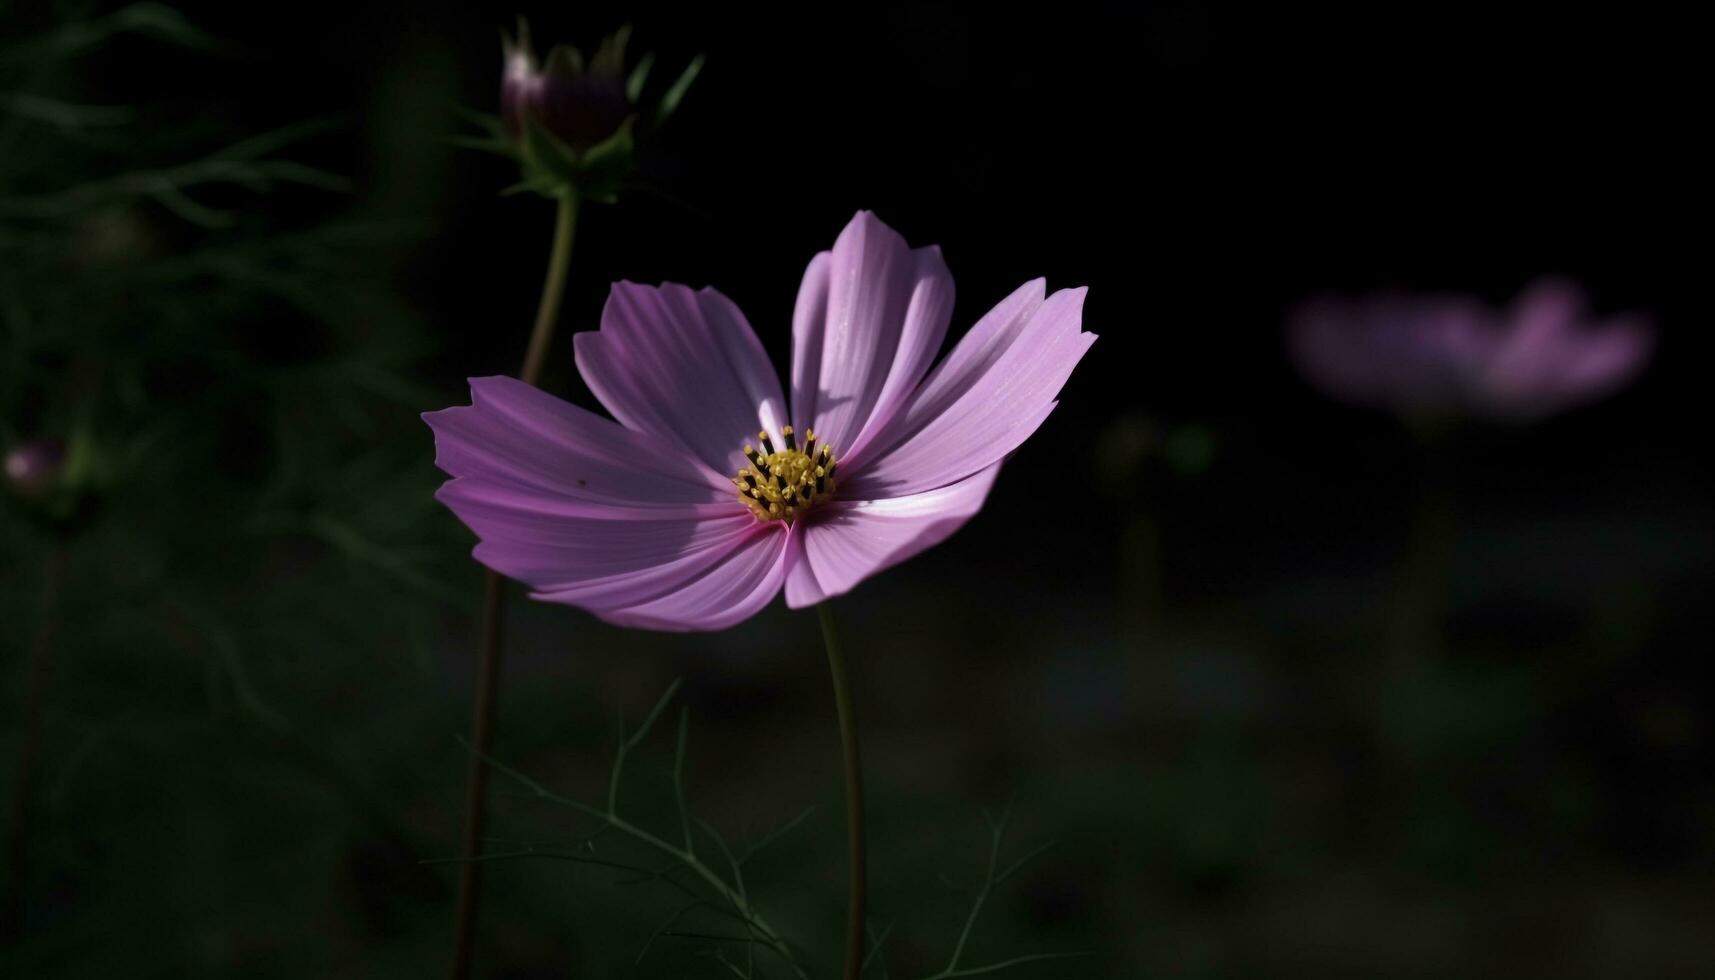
<point x="563" y="59"/>
<point x="536" y="185"/>
<point x="606" y="165"/>
<point x="609" y="58"/>
<point x="544" y="155"/>
<point x="553" y="169"/>
<point x="639" y="77"/>
<point x="670" y="102"/>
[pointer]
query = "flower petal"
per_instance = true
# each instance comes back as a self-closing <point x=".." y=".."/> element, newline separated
<point x="518" y="436"/>
<point x="870" y="317"/>
<point x="848" y="541"/>
<point x="748" y="579"/>
<point x="1613" y="353"/>
<point x="684" y="367"/>
<point x="1415" y="352"/>
<point x="983" y="401"/>
<point x="1551" y="358"/>
<point x="691" y="568"/>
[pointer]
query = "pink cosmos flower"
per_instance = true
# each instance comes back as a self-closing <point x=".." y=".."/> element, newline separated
<point x="1454" y="354"/>
<point x="711" y="491"/>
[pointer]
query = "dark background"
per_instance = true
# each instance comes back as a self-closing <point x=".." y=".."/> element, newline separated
<point x="1172" y="638"/>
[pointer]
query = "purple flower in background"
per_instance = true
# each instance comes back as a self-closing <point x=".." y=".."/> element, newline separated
<point x="711" y="492"/>
<point x="34" y="468"/>
<point x="1450" y="354"/>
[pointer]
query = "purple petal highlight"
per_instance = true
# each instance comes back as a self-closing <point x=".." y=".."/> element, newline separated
<point x="517" y="436"/>
<point x="746" y="580"/>
<point x="684" y="367"/>
<point x="871" y="314"/>
<point x="1549" y="360"/>
<point x="809" y="328"/>
<point x="691" y="568"/>
<point x="991" y="393"/>
<point x="592" y="514"/>
<point x="520" y="85"/>
<point x="853" y="540"/>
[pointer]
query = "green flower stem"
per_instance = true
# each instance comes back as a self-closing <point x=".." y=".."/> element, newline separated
<point x="854" y="796"/>
<point x="493" y="596"/>
<point x="565" y="229"/>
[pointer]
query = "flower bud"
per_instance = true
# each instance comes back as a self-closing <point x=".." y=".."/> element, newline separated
<point x="571" y="124"/>
<point x="57" y="481"/>
<point x="579" y="105"/>
<point x="34" y="469"/>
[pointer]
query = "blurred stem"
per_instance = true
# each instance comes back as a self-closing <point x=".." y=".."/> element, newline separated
<point x="1421" y="589"/>
<point x="493" y="618"/>
<point x="39" y="668"/>
<point x="854" y="795"/>
<point x="548" y="312"/>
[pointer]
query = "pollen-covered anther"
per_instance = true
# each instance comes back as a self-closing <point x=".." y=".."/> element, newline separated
<point x="779" y="485"/>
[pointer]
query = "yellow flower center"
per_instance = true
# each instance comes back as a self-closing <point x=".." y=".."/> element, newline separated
<point x="780" y="485"/>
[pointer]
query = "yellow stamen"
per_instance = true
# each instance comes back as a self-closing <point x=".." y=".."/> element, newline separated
<point x="780" y="485"/>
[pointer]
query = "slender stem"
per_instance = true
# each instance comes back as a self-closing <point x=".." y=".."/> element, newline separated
<point x="854" y="796"/>
<point x="1419" y="601"/>
<point x="559" y="261"/>
<point x="493" y="618"/>
<point x="40" y="670"/>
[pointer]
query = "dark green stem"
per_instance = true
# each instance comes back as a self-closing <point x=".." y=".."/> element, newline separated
<point x="493" y="619"/>
<point x="854" y="795"/>
<point x="1420" y="591"/>
<point x="548" y="312"/>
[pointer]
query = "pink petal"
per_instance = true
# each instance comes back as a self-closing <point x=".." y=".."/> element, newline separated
<point x="1549" y="360"/>
<point x="848" y="541"/>
<point x="870" y="317"/>
<point x="747" y="580"/>
<point x="983" y="401"/>
<point x="809" y="328"/>
<point x="1613" y="353"/>
<point x="518" y="436"/>
<point x="590" y="513"/>
<point x="1415" y="352"/>
<point x="699" y="567"/>
<point x="684" y="367"/>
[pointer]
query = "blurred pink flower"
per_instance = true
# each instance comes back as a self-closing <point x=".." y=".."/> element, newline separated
<point x="1456" y="355"/>
<point x="643" y="521"/>
<point x="34" y="468"/>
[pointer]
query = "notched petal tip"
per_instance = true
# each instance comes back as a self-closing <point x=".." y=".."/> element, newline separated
<point x="1075" y="297"/>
